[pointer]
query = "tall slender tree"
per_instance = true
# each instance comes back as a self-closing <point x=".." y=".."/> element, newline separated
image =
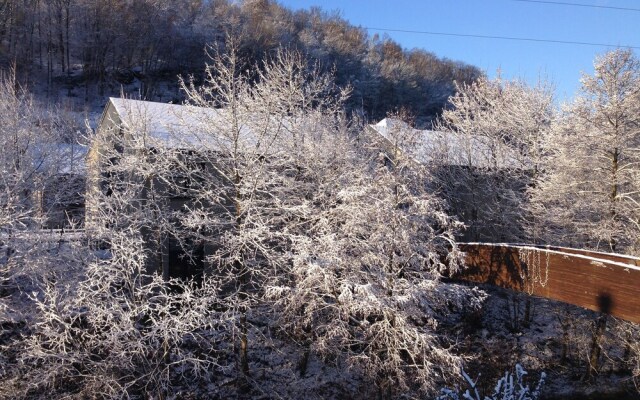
<point x="588" y="195"/>
<point x="491" y="150"/>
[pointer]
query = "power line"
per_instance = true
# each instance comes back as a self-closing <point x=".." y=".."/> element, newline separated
<point x="562" y="3"/>
<point x="521" y="39"/>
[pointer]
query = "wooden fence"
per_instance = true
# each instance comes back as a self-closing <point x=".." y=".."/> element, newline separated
<point x="603" y="282"/>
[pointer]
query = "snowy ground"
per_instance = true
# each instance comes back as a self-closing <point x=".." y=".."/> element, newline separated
<point x="490" y="337"/>
<point x="498" y="340"/>
<point x="495" y="339"/>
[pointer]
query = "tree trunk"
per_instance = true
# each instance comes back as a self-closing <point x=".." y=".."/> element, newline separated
<point x="304" y="360"/>
<point x="596" y="349"/>
<point x="244" y="344"/>
<point x="528" y="312"/>
<point x="63" y="63"/>
<point x="614" y="194"/>
<point x="67" y="8"/>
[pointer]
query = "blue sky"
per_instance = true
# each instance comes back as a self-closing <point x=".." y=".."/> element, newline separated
<point x="562" y="64"/>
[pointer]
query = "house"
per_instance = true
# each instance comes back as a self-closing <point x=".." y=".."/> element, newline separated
<point x="482" y="179"/>
<point x="60" y="198"/>
<point x="142" y="130"/>
<point x="182" y="159"/>
<point x="465" y="169"/>
<point x="436" y="148"/>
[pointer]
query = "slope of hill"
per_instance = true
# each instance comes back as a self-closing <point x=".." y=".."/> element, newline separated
<point x="81" y="49"/>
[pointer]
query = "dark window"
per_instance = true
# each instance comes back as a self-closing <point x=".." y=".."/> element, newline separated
<point x="186" y="263"/>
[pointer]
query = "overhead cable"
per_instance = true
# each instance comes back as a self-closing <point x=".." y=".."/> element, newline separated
<point x="563" y="3"/>
<point x="522" y="39"/>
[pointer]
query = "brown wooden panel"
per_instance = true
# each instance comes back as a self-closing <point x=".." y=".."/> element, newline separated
<point x="595" y="254"/>
<point x="593" y="282"/>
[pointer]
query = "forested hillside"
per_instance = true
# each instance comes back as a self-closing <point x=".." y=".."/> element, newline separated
<point x="257" y="241"/>
<point x="83" y="48"/>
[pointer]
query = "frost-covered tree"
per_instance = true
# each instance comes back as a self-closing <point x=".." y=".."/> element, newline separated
<point x="589" y="195"/>
<point x="493" y="147"/>
<point x="364" y="287"/>
<point x="32" y="160"/>
<point x="117" y="327"/>
<point x="255" y="144"/>
<point x="349" y="246"/>
<point x="119" y="331"/>
<point x="21" y="159"/>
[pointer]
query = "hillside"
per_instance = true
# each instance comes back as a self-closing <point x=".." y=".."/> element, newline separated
<point x="78" y="51"/>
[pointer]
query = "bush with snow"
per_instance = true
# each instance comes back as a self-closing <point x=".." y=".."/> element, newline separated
<point x="509" y="387"/>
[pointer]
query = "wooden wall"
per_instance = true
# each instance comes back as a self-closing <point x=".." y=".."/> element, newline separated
<point x="604" y="282"/>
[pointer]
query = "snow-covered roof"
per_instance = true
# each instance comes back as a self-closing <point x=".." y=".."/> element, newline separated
<point x="176" y="126"/>
<point x="62" y="158"/>
<point x="163" y="124"/>
<point x="448" y="148"/>
<point x="389" y="123"/>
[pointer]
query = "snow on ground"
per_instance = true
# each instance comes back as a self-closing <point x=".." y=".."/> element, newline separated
<point x="499" y="338"/>
<point x="496" y="338"/>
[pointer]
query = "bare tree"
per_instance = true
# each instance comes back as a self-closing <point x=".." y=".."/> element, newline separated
<point x="628" y="334"/>
<point x="254" y="144"/>
<point x="588" y="195"/>
<point x="491" y="151"/>
<point x="364" y="288"/>
<point x="118" y="326"/>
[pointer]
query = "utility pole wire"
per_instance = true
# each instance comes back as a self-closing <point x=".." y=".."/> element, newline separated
<point x="562" y="3"/>
<point x="522" y="39"/>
